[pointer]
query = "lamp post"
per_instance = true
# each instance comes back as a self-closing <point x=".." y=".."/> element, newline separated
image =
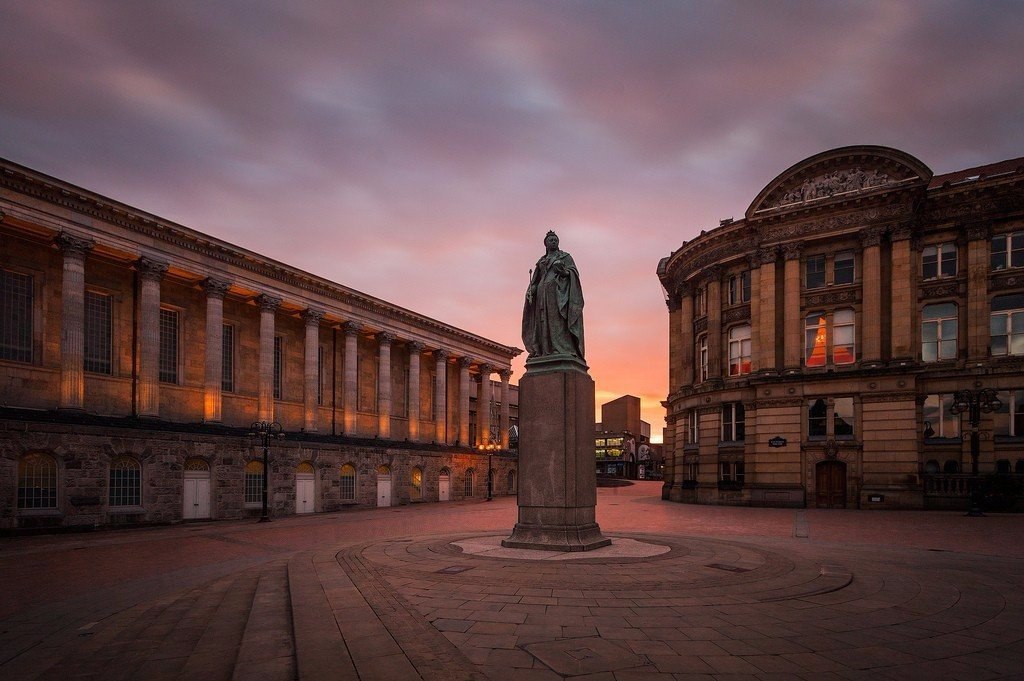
<point x="489" y="448"/>
<point x="265" y="431"/>
<point x="973" y="403"/>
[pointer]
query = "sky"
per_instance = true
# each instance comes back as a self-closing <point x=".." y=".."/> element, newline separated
<point x="419" y="151"/>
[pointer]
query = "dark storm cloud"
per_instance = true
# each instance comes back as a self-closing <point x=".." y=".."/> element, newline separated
<point x="419" y="150"/>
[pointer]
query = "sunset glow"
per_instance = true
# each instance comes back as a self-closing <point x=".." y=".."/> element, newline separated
<point x="419" y="151"/>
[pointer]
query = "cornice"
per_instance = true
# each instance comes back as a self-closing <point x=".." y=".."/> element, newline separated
<point x="150" y="227"/>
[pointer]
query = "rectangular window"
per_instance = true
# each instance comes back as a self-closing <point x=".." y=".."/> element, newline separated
<point x="844" y="337"/>
<point x="739" y="288"/>
<point x="814" y="271"/>
<point x="690" y="472"/>
<point x="433" y="393"/>
<point x="815" y="339"/>
<point x="731" y="471"/>
<point x="320" y="375"/>
<point x="817" y="418"/>
<point x="843" y="268"/>
<point x="939" y="261"/>
<point x="939" y="421"/>
<point x="97" y="331"/>
<point x="702" y="359"/>
<point x="15" y="316"/>
<point x="1007" y="251"/>
<point x="278" y="365"/>
<point x="1008" y="420"/>
<point x="700" y="302"/>
<point x="733" y="422"/>
<point x="842" y="417"/>
<point x="1006" y="325"/>
<point x="692" y="429"/>
<point x="939" y="332"/>
<point x="168" y="346"/>
<point x="739" y="350"/>
<point x="227" y="363"/>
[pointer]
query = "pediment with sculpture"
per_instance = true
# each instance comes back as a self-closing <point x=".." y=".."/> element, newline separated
<point x="848" y="172"/>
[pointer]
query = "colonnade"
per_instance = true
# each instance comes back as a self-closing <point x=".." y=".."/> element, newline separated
<point x="151" y="272"/>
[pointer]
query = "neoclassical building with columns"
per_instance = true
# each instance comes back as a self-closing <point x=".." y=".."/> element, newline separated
<point x="816" y="343"/>
<point x="136" y="352"/>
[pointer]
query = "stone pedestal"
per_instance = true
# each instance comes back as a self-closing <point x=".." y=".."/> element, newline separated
<point x="557" y="469"/>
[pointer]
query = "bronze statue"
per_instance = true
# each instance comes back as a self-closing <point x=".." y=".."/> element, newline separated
<point x="553" y="313"/>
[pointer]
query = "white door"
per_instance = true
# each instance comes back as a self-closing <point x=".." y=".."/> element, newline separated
<point x="196" y="497"/>
<point x="443" y="490"/>
<point x="304" y="493"/>
<point x="383" y="490"/>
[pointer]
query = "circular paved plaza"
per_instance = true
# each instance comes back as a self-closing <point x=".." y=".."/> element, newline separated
<point x="421" y="593"/>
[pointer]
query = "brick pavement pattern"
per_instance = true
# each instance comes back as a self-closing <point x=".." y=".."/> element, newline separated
<point x="741" y="594"/>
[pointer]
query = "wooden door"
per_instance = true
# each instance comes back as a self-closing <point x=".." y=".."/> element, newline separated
<point x="830" y="484"/>
<point x="444" y="488"/>
<point x="196" y="497"/>
<point x="383" y="490"/>
<point x="305" y="494"/>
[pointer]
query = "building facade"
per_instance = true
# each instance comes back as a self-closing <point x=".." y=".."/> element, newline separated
<point x="622" y="443"/>
<point x="135" y="353"/>
<point x="816" y="343"/>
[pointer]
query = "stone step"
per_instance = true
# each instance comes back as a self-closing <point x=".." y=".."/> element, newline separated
<point x="320" y="649"/>
<point x="267" y="648"/>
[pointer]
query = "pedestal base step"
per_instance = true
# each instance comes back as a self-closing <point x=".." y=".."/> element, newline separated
<point x="556" y="537"/>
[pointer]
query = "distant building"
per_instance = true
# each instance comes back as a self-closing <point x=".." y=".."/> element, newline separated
<point x="136" y="352"/>
<point x="815" y="345"/>
<point x="623" y="441"/>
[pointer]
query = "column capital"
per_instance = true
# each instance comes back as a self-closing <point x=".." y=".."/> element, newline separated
<point x="485" y="369"/>
<point x="871" y="236"/>
<point x="312" y="316"/>
<point x="73" y="245"/>
<point x="465" y="361"/>
<point x="977" y="231"/>
<point x="415" y="346"/>
<point x="712" y="273"/>
<point x="215" y="288"/>
<point x="385" y="337"/>
<point x="351" y="328"/>
<point x="792" y="251"/>
<point x="767" y="255"/>
<point x="505" y="374"/>
<point x="441" y="355"/>
<point x="901" y="232"/>
<point x="151" y="269"/>
<point x="268" y="303"/>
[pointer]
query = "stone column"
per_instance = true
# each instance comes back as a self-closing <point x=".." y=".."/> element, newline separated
<point x="350" y="388"/>
<point x="483" y="406"/>
<point x="214" y="368"/>
<point x="903" y="306"/>
<point x="268" y="309"/>
<point x="978" y="324"/>
<point x="464" y="363"/>
<point x="503" y="424"/>
<point x="415" y="348"/>
<point x="684" y="330"/>
<point x="871" y="287"/>
<point x="793" y="323"/>
<point x="676" y="340"/>
<point x="715" y="338"/>
<point x="384" y="384"/>
<point x="72" y="320"/>
<point x="755" y="313"/>
<point x="310" y="366"/>
<point x="151" y="272"/>
<point x="765" y="295"/>
<point x="440" y="397"/>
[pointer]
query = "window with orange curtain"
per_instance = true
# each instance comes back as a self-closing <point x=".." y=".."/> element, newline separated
<point x="844" y="335"/>
<point x="816" y="339"/>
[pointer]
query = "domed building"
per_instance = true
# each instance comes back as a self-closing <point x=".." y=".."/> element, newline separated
<point x="818" y="344"/>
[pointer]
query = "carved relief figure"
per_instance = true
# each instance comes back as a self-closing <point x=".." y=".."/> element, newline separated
<point x="836" y="182"/>
<point x="553" y="313"/>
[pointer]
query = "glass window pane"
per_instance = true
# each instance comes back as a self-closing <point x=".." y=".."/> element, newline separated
<point x="947" y="349"/>
<point x="929" y="352"/>
<point x="999" y="345"/>
<point x="1017" y="322"/>
<point x="1017" y="345"/>
<point x="949" y="327"/>
<point x="929" y="332"/>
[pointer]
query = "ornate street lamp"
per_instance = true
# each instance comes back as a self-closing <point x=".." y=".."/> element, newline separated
<point x="265" y="431"/>
<point x="973" y="403"/>
<point x="490" y="448"/>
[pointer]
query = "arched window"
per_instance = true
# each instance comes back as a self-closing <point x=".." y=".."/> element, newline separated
<point x="468" y="489"/>
<point x="931" y="467"/>
<point x="196" y="464"/>
<point x="416" y="483"/>
<point x="254" y="483"/>
<point x="1003" y="466"/>
<point x="37" y="481"/>
<point x="348" y="482"/>
<point x="125" y="482"/>
<point x="305" y="468"/>
<point x="938" y="332"/>
<point x="739" y="350"/>
<point x="951" y="466"/>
